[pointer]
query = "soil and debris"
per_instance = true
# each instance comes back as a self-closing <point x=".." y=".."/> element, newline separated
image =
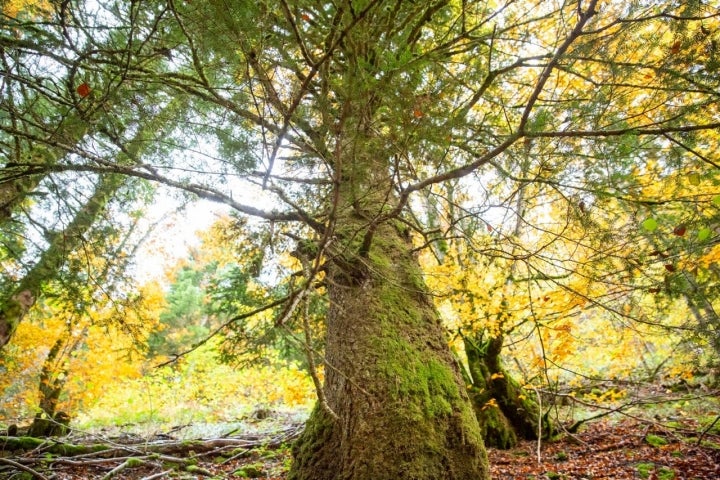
<point x="603" y="450"/>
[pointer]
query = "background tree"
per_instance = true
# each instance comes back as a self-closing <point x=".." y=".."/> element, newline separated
<point x="77" y="339"/>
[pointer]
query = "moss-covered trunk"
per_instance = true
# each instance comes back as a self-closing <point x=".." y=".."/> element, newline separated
<point x="504" y="409"/>
<point x="53" y="378"/>
<point x="401" y="404"/>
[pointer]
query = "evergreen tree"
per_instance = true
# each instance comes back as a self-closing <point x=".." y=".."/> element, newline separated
<point x="340" y="114"/>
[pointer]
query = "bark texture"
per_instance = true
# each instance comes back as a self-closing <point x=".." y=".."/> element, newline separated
<point x="390" y="378"/>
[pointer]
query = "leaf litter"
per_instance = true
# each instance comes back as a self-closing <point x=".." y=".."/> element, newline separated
<point x="603" y="450"/>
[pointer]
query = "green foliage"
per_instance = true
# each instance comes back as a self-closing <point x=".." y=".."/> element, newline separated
<point x="655" y="440"/>
<point x="645" y="470"/>
<point x="250" y="471"/>
<point x="185" y="319"/>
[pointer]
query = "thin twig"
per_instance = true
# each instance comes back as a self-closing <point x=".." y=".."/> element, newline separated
<point x="706" y="430"/>
<point x="129" y="463"/>
<point x="156" y="475"/>
<point x="202" y="342"/>
<point x="540" y="415"/>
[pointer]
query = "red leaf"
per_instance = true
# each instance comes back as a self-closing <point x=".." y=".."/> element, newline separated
<point x="418" y="113"/>
<point x="680" y="230"/>
<point x="670" y="267"/>
<point x="83" y="90"/>
<point x="305" y="17"/>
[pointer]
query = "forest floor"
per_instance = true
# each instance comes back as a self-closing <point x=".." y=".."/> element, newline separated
<point x="602" y="450"/>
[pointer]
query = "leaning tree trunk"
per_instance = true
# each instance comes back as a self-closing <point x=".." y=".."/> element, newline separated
<point x="504" y="409"/>
<point x="391" y="381"/>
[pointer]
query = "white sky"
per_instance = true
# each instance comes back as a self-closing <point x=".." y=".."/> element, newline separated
<point x="174" y="236"/>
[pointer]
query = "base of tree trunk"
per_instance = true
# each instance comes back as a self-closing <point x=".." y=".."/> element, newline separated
<point x="504" y="409"/>
<point x="497" y="431"/>
<point x="401" y="406"/>
<point x="44" y="426"/>
<point x="400" y="449"/>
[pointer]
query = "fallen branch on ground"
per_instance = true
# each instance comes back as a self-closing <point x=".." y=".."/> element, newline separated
<point x="35" y="455"/>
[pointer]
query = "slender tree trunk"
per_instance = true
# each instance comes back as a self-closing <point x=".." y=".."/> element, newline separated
<point x="505" y="411"/>
<point x="391" y="380"/>
<point x="13" y="309"/>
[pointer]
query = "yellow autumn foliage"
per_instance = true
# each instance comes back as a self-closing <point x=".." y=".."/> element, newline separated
<point x="200" y="388"/>
<point x="108" y="350"/>
<point x="12" y="8"/>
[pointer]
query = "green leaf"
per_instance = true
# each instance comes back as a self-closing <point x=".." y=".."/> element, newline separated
<point x="650" y="224"/>
<point x="716" y="200"/>
<point x="703" y="234"/>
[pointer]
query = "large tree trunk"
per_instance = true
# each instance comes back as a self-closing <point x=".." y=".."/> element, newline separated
<point x="504" y="409"/>
<point x="400" y="401"/>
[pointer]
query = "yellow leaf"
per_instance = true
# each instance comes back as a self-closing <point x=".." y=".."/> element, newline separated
<point x="492" y="403"/>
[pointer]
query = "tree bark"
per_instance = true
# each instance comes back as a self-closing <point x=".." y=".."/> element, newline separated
<point x="391" y="379"/>
<point x="505" y="411"/>
<point x="52" y="383"/>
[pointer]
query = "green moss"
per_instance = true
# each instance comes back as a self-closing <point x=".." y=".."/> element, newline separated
<point x="134" y="462"/>
<point x="22" y="443"/>
<point x="710" y="444"/>
<point x="198" y="470"/>
<point x="496" y="429"/>
<point x="426" y="380"/>
<point x="655" y="440"/>
<point x="250" y="471"/>
<point x="644" y="469"/>
<point x="381" y="261"/>
<point x="395" y="309"/>
<point x="666" y="474"/>
<point x="316" y="434"/>
<point x="65" y="449"/>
